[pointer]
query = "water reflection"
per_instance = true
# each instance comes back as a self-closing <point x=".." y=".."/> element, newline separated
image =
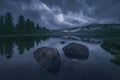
<point x="113" y="46"/>
<point x="91" y="40"/>
<point x="45" y="66"/>
<point x="23" y="43"/>
<point x="7" y="45"/>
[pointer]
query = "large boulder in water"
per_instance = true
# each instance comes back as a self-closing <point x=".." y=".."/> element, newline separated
<point x="76" y="51"/>
<point x="48" y="58"/>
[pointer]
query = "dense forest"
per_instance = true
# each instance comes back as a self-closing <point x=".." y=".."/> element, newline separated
<point x="22" y="26"/>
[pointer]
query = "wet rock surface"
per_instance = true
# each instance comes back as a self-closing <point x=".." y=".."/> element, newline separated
<point x="76" y="51"/>
<point x="48" y="58"/>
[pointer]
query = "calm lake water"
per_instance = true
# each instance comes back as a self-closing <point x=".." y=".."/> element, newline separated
<point x="17" y="60"/>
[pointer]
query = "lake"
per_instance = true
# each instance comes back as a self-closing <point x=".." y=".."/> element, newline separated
<point x="17" y="61"/>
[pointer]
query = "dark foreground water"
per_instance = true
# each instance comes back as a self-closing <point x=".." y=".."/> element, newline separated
<point x="17" y="60"/>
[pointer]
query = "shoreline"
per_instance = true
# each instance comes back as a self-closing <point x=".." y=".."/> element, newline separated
<point x="80" y="35"/>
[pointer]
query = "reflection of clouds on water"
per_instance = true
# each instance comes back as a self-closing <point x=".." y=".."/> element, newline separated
<point x="25" y="65"/>
<point x="51" y="42"/>
<point x="26" y="44"/>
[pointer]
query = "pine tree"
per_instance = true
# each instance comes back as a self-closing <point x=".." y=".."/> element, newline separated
<point x="8" y="26"/>
<point x="20" y="26"/>
<point x="1" y="24"/>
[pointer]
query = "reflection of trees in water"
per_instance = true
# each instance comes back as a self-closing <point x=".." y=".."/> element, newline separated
<point x="23" y="43"/>
<point x="6" y="47"/>
<point x="116" y="60"/>
<point x="114" y="48"/>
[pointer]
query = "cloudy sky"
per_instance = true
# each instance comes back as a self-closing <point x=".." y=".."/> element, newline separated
<point x="58" y="14"/>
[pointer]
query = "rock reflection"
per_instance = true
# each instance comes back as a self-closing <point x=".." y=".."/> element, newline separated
<point x="76" y="51"/>
<point x="48" y="58"/>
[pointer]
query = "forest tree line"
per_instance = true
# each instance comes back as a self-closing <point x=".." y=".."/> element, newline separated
<point x="22" y="26"/>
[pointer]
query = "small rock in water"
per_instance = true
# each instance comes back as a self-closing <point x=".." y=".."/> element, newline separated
<point x="48" y="58"/>
<point x="76" y="51"/>
<point x="62" y="42"/>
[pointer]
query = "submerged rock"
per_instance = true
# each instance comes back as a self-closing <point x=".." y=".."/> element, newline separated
<point x="76" y="51"/>
<point x="62" y="42"/>
<point x="48" y="58"/>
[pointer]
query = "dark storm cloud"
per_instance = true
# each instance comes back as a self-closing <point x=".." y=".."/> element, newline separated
<point x="64" y="13"/>
<point x="16" y="8"/>
<point x="105" y="8"/>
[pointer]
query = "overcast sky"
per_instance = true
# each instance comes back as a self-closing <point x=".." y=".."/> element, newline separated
<point x="57" y="14"/>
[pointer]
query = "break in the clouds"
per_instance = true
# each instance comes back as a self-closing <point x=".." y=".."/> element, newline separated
<point x="57" y="14"/>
